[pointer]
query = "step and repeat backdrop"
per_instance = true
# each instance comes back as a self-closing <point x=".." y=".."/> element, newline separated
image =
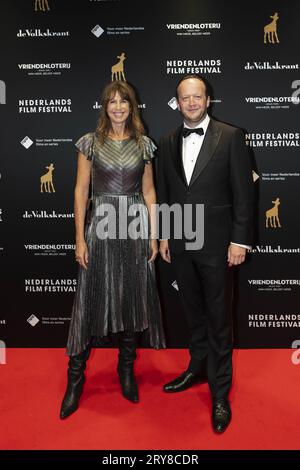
<point x="56" y="57"/>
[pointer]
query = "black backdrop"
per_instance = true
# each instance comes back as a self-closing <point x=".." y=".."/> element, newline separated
<point x="64" y="51"/>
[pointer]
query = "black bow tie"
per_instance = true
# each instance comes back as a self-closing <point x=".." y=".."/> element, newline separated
<point x="186" y="132"/>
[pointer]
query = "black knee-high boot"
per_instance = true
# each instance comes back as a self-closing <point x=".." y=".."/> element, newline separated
<point x="77" y="365"/>
<point x="127" y="355"/>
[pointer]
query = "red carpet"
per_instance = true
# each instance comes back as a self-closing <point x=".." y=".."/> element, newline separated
<point x="265" y="404"/>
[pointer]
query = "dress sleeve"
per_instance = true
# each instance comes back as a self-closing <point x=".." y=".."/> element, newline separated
<point x="148" y="149"/>
<point x="85" y="145"/>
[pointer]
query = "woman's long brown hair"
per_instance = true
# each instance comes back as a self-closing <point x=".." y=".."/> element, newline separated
<point x="133" y="125"/>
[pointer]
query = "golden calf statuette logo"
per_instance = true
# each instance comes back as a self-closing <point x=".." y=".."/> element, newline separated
<point x="272" y="215"/>
<point x="41" y="5"/>
<point x="270" y="30"/>
<point x="46" y="180"/>
<point x="117" y="70"/>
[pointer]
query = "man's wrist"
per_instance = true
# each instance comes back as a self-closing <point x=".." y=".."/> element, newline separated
<point x="247" y="247"/>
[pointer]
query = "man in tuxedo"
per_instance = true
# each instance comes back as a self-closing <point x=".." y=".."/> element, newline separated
<point x="205" y="161"/>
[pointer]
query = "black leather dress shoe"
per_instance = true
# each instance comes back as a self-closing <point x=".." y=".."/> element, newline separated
<point x="183" y="382"/>
<point x="221" y="415"/>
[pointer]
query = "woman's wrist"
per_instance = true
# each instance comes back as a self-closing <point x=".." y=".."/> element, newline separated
<point x="154" y="236"/>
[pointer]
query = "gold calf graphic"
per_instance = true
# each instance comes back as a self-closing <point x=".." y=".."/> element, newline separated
<point x="46" y="180"/>
<point x="272" y="215"/>
<point x="41" y="5"/>
<point x="117" y="70"/>
<point x="270" y="30"/>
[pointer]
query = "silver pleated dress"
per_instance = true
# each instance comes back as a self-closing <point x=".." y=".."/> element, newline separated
<point x="118" y="290"/>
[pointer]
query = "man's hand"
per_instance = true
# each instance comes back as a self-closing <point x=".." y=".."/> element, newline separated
<point x="236" y="255"/>
<point x="164" y="251"/>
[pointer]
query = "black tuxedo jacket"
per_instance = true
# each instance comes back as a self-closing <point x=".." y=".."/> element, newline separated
<point x="222" y="181"/>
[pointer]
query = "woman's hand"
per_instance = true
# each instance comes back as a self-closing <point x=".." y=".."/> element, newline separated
<point x="154" y="250"/>
<point x="82" y="254"/>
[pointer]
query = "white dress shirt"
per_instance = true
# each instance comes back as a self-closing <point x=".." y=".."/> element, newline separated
<point x="191" y="147"/>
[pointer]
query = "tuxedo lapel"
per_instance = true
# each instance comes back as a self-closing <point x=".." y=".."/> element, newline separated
<point x="176" y="152"/>
<point x="210" y="142"/>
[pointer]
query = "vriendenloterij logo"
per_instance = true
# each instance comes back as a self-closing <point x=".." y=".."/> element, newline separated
<point x="45" y="69"/>
<point x="193" y="29"/>
<point x="2" y="92"/>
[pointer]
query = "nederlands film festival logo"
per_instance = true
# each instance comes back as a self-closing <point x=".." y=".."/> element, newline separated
<point x="41" y="5"/>
<point x="54" y="285"/>
<point x="270" y="30"/>
<point x="198" y="66"/>
<point x="274" y="320"/>
<point x="276" y="140"/>
<point x="56" y="105"/>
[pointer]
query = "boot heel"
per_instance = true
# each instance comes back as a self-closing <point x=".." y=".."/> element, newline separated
<point x="128" y="384"/>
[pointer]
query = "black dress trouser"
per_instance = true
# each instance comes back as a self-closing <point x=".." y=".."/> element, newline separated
<point x="204" y="288"/>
